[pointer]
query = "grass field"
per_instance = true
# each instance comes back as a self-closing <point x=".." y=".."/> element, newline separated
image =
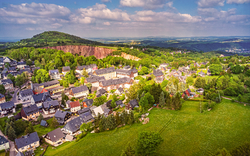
<point x="186" y="132"/>
<point x="44" y="130"/>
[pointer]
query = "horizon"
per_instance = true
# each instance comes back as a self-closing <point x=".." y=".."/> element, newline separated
<point x="125" y="18"/>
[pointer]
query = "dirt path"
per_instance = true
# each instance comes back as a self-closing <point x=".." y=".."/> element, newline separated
<point x="12" y="145"/>
<point x="235" y="100"/>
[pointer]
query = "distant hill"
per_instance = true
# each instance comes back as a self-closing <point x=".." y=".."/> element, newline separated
<point x="52" y="38"/>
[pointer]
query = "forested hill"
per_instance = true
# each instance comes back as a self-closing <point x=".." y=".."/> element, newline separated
<point x="52" y="38"/>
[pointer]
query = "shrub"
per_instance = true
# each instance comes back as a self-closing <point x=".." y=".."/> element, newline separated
<point x="80" y="136"/>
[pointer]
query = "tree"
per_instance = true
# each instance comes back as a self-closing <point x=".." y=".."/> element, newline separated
<point x="11" y="77"/>
<point x="239" y="98"/>
<point x="156" y="90"/>
<point x="113" y="104"/>
<point x="54" y="122"/>
<point x="99" y="100"/>
<point x="168" y="100"/>
<point x="7" y="129"/>
<point x="89" y="85"/>
<point x="70" y="78"/>
<point x="11" y="133"/>
<point x="77" y="84"/>
<point x="29" y="129"/>
<point x="42" y="76"/>
<point x="241" y="150"/>
<point x="82" y="79"/>
<point x="84" y="127"/>
<point x="215" y="69"/>
<point x="199" y="83"/>
<point x="148" y="142"/>
<point x="129" y="151"/>
<point x="40" y="118"/>
<point x="2" y="89"/>
<point x="190" y="81"/>
<point x="162" y="99"/>
<point x="143" y="103"/>
<point x="65" y="84"/>
<point x="85" y="73"/>
<point x="164" y="83"/>
<point x="102" y="125"/>
<point x="150" y="98"/>
<point x="63" y="99"/>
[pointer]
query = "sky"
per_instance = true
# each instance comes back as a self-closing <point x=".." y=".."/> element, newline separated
<point x="125" y="18"/>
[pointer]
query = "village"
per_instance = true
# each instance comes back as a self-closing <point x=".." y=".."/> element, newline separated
<point x="46" y="98"/>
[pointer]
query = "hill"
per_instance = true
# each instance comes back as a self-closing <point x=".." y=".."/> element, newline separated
<point x="52" y="38"/>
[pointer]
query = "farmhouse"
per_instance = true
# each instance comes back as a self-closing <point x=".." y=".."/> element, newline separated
<point x="55" y="137"/>
<point x="108" y="73"/>
<point x="26" y="95"/>
<point x="62" y="116"/>
<point x="38" y="99"/>
<point x="116" y="83"/>
<point x="27" y="143"/>
<point x="65" y="70"/>
<point x="74" y="106"/>
<point x="79" y="92"/>
<point x="30" y="112"/>
<point x="7" y="107"/>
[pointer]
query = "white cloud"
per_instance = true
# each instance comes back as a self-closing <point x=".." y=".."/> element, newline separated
<point x="147" y="4"/>
<point x="238" y="1"/>
<point x="106" y="23"/>
<point x="106" y="1"/>
<point x="212" y="12"/>
<point x="99" y="12"/>
<point x="210" y="3"/>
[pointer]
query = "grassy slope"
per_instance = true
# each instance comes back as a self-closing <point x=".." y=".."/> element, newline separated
<point x="189" y="132"/>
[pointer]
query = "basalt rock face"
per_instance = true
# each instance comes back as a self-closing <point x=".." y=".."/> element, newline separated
<point x="98" y="52"/>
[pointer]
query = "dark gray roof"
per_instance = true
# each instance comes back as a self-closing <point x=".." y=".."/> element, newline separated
<point x="86" y="67"/>
<point x="3" y="140"/>
<point x="74" y="125"/>
<point x="126" y="67"/>
<point x="67" y="68"/>
<point x="101" y="91"/>
<point x="1" y="95"/>
<point x="12" y="68"/>
<point x="27" y="140"/>
<point x="133" y="103"/>
<point x="7" y="105"/>
<point x="26" y="92"/>
<point x="84" y="110"/>
<point x="134" y="70"/>
<point x="116" y="81"/>
<point x="50" y="83"/>
<point x="6" y="81"/>
<point x="123" y="72"/>
<point x="120" y="90"/>
<point x="87" y="116"/>
<point x="60" y="114"/>
<point x="79" y="89"/>
<point x="89" y="102"/>
<point x="30" y="109"/>
<point x="41" y="97"/>
<point x="21" y="63"/>
<point x="105" y="70"/>
<point x="120" y="103"/>
<point x="48" y="104"/>
<point x="55" y="135"/>
<point x="43" y="123"/>
<point x="201" y="72"/>
<point x="53" y="72"/>
<point x="157" y="73"/>
<point x="95" y="78"/>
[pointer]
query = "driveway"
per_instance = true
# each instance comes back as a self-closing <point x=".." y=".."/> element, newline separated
<point x="12" y="145"/>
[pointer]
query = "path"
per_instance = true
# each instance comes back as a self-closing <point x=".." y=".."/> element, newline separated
<point x="234" y="100"/>
<point x="12" y="145"/>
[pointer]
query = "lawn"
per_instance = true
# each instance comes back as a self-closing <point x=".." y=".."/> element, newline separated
<point x="185" y="132"/>
<point x="44" y="130"/>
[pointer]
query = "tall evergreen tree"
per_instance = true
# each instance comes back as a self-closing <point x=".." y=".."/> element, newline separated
<point x="118" y="119"/>
<point x="7" y="129"/>
<point x="168" y="99"/>
<point x="102" y="125"/>
<point x="11" y="133"/>
<point x="143" y="103"/>
<point x="162" y="100"/>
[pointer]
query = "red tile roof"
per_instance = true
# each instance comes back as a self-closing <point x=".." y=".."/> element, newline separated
<point x="74" y="104"/>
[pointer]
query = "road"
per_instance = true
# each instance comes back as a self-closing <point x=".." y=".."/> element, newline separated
<point x="12" y="145"/>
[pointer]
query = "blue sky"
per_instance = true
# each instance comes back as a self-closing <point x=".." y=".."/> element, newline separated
<point x="125" y="18"/>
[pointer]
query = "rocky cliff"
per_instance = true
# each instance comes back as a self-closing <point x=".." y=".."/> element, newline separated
<point x="98" y="52"/>
<point x="128" y="57"/>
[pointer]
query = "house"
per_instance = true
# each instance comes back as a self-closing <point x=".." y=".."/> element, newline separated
<point x="74" y="125"/>
<point x="94" y="80"/>
<point x="186" y="92"/>
<point x="89" y="68"/>
<point x="20" y="65"/>
<point x="7" y="108"/>
<point x="159" y="79"/>
<point x="38" y="99"/>
<point x="200" y="90"/>
<point x="30" y="112"/>
<point x="79" y="92"/>
<point x="87" y="102"/>
<point x="26" y="95"/>
<point x="201" y="73"/>
<point x="2" y="98"/>
<point x="6" y="60"/>
<point x="74" y="106"/>
<point x="44" y="123"/>
<point x="100" y="92"/>
<point x="51" y="86"/>
<point x="62" y="116"/>
<point x="132" y="104"/>
<point x="163" y="65"/>
<point x="116" y="83"/>
<point x="102" y="110"/>
<point x="119" y="103"/>
<point x="55" y="137"/>
<point x="84" y="110"/>
<point x="8" y="84"/>
<point x="4" y="143"/>
<point x="65" y="70"/>
<point x="108" y="73"/>
<point x="50" y="107"/>
<point x="12" y="69"/>
<point x="127" y="67"/>
<point x="158" y="73"/>
<point x="54" y="74"/>
<point x="27" y="143"/>
<point x="120" y="73"/>
<point x="119" y="91"/>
